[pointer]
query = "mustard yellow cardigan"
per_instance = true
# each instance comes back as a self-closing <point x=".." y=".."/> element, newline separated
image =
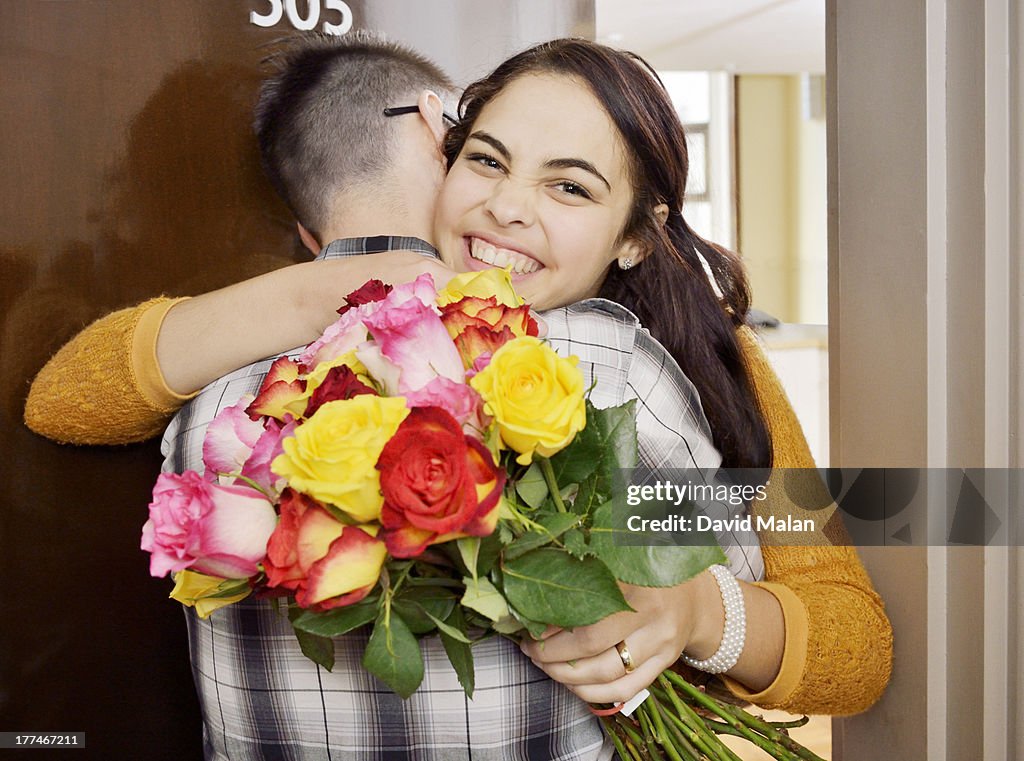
<point x="105" y="387"/>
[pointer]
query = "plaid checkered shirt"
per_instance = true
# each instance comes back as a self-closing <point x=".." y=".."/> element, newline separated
<point x="261" y="698"/>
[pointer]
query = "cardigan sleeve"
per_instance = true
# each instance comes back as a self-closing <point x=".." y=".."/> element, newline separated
<point x="104" y="386"/>
<point x="838" y="650"/>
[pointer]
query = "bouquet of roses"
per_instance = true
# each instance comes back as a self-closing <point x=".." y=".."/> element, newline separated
<point x="428" y="465"/>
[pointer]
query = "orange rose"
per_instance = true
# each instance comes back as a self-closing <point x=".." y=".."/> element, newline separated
<point x="325" y="562"/>
<point x="481" y="326"/>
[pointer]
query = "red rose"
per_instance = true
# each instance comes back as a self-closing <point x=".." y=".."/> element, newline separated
<point x="482" y="326"/>
<point x="371" y="290"/>
<point x="438" y="484"/>
<point x="339" y="383"/>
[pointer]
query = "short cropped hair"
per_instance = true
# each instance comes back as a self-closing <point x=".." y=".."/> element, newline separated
<point x="319" y="119"/>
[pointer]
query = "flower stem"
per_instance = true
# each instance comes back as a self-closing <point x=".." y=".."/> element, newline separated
<point x="633" y="741"/>
<point x="692" y="726"/>
<point x="774" y="735"/>
<point x="777" y="750"/>
<point x="620" y="748"/>
<point x="552" y="482"/>
<point x="668" y="733"/>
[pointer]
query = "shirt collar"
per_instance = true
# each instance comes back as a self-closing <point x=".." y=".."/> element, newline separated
<point x="374" y="245"/>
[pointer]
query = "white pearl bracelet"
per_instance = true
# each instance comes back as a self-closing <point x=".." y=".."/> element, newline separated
<point x="735" y="633"/>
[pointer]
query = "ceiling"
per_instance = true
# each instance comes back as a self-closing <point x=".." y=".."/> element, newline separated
<point x="741" y="36"/>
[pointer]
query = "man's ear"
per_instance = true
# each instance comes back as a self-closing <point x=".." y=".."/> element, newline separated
<point x="432" y="112"/>
<point x="308" y="239"/>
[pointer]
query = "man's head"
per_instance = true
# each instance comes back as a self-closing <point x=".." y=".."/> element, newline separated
<point x="325" y="141"/>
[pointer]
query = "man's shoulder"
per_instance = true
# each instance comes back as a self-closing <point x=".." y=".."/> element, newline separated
<point x="600" y="331"/>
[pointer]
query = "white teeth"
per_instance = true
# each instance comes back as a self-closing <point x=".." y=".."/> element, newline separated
<point x="502" y="257"/>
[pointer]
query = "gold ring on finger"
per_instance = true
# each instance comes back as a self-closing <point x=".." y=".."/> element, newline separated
<point x="625" y="657"/>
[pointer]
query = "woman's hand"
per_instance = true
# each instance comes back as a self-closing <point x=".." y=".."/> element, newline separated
<point x="329" y="281"/>
<point x="666" y="621"/>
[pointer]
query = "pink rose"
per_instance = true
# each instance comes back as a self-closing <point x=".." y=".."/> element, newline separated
<point x="349" y="331"/>
<point x="213" y="529"/>
<point x="230" y="439"/>
<point x="267" y="447"/>
<point x="457" y="399"/>
<point x="410" y="348"/>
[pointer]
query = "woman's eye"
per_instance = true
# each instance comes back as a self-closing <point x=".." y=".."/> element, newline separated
<point x="573" y="189"/>
<point x="484" y="160"/>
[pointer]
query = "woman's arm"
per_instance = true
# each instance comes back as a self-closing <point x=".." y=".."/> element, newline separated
<point x="122" y="377"/>
<point x="838" y="642"/>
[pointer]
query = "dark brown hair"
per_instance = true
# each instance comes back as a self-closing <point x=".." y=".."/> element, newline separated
<point x="669" y="290"/>
<point x="319" y="118"/>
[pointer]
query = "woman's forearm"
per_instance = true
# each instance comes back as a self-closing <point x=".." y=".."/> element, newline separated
<point x="765" y="640"/>
<point x="210" y="335"/>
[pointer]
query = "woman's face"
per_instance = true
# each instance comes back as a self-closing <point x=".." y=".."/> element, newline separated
<point x="541" y="184"/>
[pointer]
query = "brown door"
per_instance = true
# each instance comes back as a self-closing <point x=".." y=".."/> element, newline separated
<point x="129" y="170"/>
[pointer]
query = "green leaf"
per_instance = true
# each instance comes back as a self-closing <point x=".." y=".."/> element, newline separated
<point x="447" y="630"/>
<point x="649" y="560"/>
<point x="483" y="597"/>
<point x="608" y="441"/>
<point x="393" y="656"/>
<point x="554" y="524"/>
<point x="575" y="543"/>
<point x="535" y="628"/>
<point x="504" y="533"/>
<point x="469" y="550"/>
<point x="317" y="649"/>
<point x="589" y="496"/>
<point x="420" y="607"/>
<point x="532" y="487"/>
<point x="336" y="622"/>
<point x="508" y="625"/>
<point x="490" y="549"/>
<point x="460" y="653"/>
<point x="548" y="585"/>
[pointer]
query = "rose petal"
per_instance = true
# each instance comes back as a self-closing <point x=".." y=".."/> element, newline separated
<point x="230" y="438"/>
<point x="352" y="564"/>
<point x="274" y="400"/>
<point x="368" y="292"/>
<point x="234" y="535"/>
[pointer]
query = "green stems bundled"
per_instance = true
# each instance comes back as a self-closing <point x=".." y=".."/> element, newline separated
<point x="680" y="722"/>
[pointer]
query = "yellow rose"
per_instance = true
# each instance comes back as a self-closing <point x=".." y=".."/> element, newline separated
<point x="488" y="282"/>
<point x="535" y="396"/>
<point x="332" y="456"/>
<point x="207" y="593"/>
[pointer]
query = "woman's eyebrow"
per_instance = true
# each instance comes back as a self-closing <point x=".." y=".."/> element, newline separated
<point x="586" y="166"/>
<point x="492" y="141"/>
<point x="570" y="163"/>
